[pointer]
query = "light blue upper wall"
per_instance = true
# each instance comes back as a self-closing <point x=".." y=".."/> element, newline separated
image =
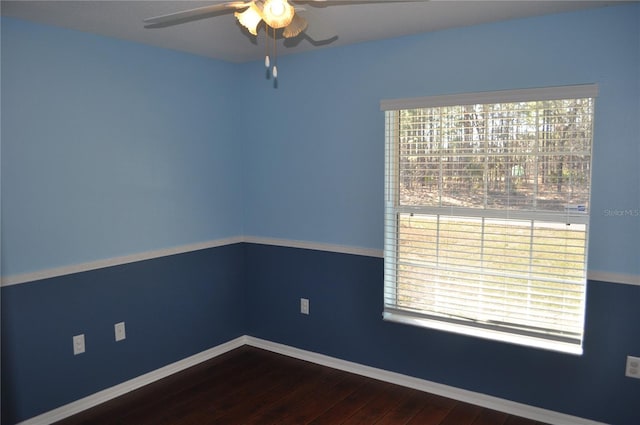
<point x="111" y="148"/>
<point x="120" y="148"/>
<point x="314" y="160"/>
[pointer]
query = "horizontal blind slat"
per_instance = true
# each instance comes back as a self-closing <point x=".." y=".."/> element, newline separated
<point x="487" y="210"/>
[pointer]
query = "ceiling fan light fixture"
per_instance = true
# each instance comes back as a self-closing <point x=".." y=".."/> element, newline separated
<point x="297" y="25"/>
<point x="277" y="13"/>
<point x="250" y="18"/>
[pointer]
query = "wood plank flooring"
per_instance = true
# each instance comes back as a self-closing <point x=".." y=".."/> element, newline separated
<point x="251" y="386"/>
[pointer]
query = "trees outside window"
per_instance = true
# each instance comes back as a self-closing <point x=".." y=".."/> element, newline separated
<point x="487" y="210"/>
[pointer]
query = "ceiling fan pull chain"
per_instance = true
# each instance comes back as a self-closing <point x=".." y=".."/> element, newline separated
<point x="275" y="55"/>
<point x="267" y="61"/>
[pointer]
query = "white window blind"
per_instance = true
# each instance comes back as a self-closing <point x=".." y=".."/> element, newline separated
<point x="487" y="213"/>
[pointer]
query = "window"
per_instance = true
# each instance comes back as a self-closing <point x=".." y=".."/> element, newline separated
<point x="487" y="213"/>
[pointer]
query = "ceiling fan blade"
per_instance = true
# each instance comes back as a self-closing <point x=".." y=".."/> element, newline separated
<point x="325" y="3"/>
<point x="195" y="14"/>
<point x="321" y="31"/>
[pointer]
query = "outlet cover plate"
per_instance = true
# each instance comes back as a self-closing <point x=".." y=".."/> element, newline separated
<point x="304" y="306"/>
<point x="120" y="332"/>
<point x="78" y="344"/>
<point x="633" y="367"/>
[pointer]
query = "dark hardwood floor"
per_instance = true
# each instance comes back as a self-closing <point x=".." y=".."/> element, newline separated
<point x="252" y="386"/>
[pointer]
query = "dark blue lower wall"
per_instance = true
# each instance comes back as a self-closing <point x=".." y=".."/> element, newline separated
<point x="174" y="307"/>
<point x="181" y="305"/>
<point x="345" y="293"/>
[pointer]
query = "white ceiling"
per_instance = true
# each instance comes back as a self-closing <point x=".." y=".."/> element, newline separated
<point x="221" y="37"/>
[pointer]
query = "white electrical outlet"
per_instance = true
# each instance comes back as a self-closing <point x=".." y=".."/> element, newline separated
<point x="304" y="306"/>
<point x="120" y="331"/>
<point x="633" y="367"/>
<point x="78" y="344"/>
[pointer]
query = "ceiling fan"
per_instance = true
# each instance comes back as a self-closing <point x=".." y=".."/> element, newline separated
<point x="275" y="16"/>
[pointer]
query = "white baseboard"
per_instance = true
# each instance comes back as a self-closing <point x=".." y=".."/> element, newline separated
<point x="490" y="402"/>
<point x="478" y="399"/>
<point x="133" y="384"/>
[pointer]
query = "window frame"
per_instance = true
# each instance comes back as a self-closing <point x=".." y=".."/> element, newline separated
<point x="393" y="209"/>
